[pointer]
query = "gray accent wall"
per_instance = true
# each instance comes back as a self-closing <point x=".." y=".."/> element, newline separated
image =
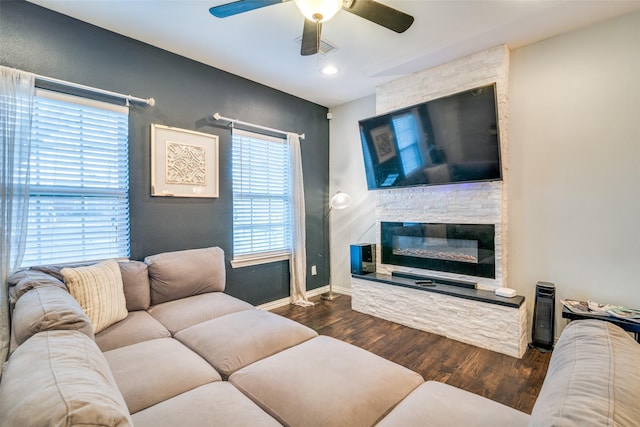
<point x="37" y="40"/>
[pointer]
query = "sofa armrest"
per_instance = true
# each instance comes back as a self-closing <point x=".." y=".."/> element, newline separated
<point x="45" y="308"/>
<point x="60" y="378"/>
<point x="593" y="378"/>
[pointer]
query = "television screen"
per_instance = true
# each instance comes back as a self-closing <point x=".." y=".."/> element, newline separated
<point x="447" y="140"/>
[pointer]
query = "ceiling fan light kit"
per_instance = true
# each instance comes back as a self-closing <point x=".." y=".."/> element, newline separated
<point x="319" y="10"/>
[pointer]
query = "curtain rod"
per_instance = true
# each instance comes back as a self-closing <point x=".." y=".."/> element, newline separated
<point x="217" y="116"/>
<point x="148" y="101"/>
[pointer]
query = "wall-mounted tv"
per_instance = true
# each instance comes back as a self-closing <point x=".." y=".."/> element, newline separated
<point x="453" y="139"/>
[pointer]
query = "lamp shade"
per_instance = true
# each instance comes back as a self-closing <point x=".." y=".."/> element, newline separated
<point x="340" y="200"/>
<point x="319" y="10"/>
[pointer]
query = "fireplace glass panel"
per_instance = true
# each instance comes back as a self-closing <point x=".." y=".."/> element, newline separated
<point x="460" y="250"/>
<point x="454" y="248"/>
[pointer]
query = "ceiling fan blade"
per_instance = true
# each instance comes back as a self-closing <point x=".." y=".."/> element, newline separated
<point x="240" y="6"/>
<point x="381" y="14"/>
<point x="310" y="38"/>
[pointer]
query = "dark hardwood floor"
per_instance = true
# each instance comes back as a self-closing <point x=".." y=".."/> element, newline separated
<point x="513" y="382"/>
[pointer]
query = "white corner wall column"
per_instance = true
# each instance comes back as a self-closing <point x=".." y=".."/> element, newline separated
<point x="473" y="203"/>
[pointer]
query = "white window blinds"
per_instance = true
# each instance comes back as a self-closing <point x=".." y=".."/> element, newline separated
<point x="261" y="198"/>
<point x="79" y="181"/>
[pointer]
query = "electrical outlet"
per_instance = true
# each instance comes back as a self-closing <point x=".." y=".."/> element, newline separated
<point x="314" y="270"/>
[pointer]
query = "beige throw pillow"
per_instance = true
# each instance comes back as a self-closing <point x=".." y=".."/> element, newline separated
<point x="98" y="288"/>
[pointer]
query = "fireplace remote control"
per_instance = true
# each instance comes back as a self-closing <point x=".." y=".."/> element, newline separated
<point x="425" y="282"/>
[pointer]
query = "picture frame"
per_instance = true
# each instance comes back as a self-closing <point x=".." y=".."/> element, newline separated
<point x="383" y="142"/>
<point x="184" y="163"/>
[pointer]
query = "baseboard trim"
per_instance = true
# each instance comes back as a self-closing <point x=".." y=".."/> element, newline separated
<point x="312" y="293"/>
<point x="273" y="304"/>
<point x="341" y="290"/>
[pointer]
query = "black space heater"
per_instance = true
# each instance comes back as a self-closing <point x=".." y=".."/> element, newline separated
<point x="544" y="316"/>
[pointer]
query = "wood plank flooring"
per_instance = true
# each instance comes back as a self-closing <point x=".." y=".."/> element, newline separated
<point x="513" y="382"/>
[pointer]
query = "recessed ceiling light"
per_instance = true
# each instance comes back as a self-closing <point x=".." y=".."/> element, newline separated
<point x="329" y="70"/>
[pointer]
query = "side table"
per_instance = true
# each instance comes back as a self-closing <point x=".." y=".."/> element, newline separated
<point x="627" y="325"/>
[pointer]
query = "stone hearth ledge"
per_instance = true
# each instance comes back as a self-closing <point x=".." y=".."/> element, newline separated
<point x="489" y="325"/>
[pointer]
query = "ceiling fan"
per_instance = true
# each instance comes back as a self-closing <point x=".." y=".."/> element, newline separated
<point x="318" y="11"/>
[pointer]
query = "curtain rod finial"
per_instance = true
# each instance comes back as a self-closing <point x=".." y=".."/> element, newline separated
<point x="151" y="102"/>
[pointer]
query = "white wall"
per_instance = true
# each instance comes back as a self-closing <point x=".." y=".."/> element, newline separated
<point x="346" y="173"/>
<point x="574" y="189"/>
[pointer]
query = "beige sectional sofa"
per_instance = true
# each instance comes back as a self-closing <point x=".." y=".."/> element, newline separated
<point x="184" y="353"/>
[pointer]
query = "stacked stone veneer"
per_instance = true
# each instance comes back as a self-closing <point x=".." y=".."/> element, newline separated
<point x="490" y="326"/>
<point x="475" y="203"/>
<point x="470" y="203"/>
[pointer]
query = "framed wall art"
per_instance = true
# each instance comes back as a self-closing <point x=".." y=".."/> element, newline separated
<point x="384" y="143"/>
<point x="184" y="163"/>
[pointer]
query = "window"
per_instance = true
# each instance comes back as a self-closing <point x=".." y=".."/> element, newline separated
<point x="79" y="181"/>
<point x="406" y="130"/>
<point x="261" y="199"/>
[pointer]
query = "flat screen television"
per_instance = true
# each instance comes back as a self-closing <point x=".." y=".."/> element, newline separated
<point x="453" y="139"/>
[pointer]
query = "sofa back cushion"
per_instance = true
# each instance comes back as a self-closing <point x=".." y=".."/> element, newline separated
<point x="60" y="378"/>
<point x="23" y="281"/>
<point x="46" y="308"/>
<point x="135" y="282"/>
<point x="99" y="290"/>
<point x="181" y="274"/>
<point x="593" y="378"/>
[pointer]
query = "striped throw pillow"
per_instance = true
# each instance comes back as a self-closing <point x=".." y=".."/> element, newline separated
<point x="98" y="288"/>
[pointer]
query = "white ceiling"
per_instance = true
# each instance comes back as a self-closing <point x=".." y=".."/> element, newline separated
<point x="260" y="45"/>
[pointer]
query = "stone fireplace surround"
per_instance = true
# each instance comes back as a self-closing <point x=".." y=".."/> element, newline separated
<point x="491" y="326"/>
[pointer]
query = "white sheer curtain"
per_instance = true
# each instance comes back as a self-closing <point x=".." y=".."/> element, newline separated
<point x="16" y="100"/>
<point x="298" y="261"/>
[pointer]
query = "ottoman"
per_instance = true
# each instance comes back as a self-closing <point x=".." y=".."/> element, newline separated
<point x="326" y="382"/>
<point x="236" y="340"/>
<point x="444" y="406"/>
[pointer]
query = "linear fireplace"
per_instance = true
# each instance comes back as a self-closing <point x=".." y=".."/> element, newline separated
<point x="454" y="248"/>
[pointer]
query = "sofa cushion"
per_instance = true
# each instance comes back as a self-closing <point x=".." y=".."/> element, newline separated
<point x="236" y="340"/>
<point x="445" y="406"/>
<point x="216" y="404"/>
<point x="185" y="273"/>
<point x="135" y="283"/>
<point x="152" y="371"/>
<point x="23" y="281"/>
<point x="46" y="308"/>
<point x="593" y="378"/>
<point x="138" y="326"/>
<point x="99" y="290"/>
<point x="326" y="382"/>
<point x="183" y="313"/>
<point x="60" y="378"/>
